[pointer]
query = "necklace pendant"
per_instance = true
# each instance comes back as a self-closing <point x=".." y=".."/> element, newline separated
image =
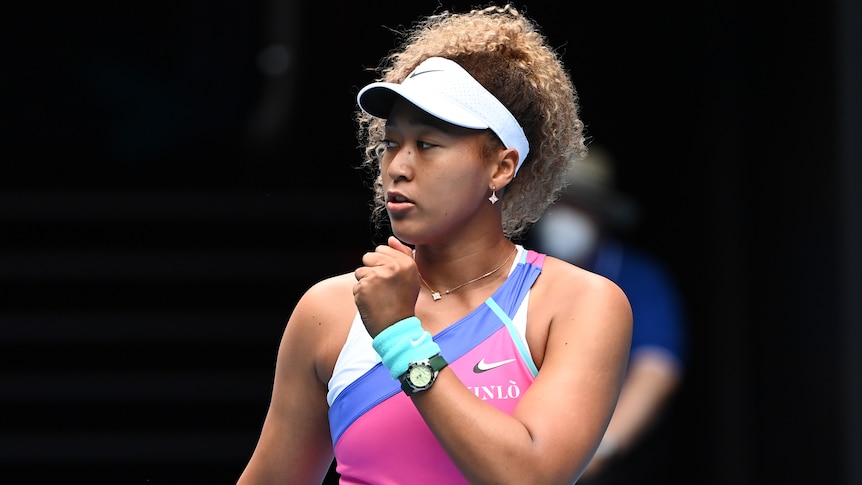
<point x="436" y="295"/>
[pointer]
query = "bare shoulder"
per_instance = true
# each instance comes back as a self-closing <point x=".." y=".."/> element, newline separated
<point x="563" y="285"/>
<point x="576" y="304"/>
<point x="326" y="301"/>
<point x="320" y="322"/>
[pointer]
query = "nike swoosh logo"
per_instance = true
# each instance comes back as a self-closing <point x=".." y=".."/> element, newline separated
<point x="415" y="342"/>
<point x="423" y="72"/>
<point x="482" y="366"/>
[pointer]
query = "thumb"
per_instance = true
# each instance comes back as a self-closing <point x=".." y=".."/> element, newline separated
<point x="394" y="243"/>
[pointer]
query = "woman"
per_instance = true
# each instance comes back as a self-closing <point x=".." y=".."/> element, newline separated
<point x="453" y="355"/>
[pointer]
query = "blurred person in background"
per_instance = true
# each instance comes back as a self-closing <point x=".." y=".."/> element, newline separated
<point x="585" y="227"/>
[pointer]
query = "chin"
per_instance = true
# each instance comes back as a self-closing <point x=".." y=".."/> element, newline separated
<point x="406" y="240"/>
<point x="407" y="237"/>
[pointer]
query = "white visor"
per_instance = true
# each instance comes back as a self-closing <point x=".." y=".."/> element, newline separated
<point x="443" y="89"/>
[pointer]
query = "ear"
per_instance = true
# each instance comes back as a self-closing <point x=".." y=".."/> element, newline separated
<point x="503" y="170"/>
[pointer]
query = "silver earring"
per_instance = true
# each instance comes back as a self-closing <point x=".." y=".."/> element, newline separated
<point x="493" y="197"/>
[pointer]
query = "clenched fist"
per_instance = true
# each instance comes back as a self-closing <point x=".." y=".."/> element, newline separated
<point x="387" y="286"/>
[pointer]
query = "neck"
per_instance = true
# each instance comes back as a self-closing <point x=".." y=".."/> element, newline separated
<point x="444" y="273"/>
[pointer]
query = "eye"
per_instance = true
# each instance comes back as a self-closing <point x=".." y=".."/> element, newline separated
<point x="425" y="144"/>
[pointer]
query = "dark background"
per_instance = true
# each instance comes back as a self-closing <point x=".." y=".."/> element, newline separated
<point x="164" y="202"/>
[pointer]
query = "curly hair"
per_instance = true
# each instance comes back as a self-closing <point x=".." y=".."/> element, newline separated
<point x="506" y="53"/>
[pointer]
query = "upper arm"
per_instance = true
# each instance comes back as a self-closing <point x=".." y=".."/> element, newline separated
<point x="295" y="445"/>
<point x="570" y="403"/>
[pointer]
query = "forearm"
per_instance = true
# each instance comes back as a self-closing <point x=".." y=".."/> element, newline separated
<point x="487" y="445"/>
<point x="490" y="446"/>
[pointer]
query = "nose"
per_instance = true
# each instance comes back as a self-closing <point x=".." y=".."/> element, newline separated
<point x="400" y="165"/>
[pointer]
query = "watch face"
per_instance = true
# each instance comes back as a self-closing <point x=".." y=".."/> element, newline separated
<point x="420" y="375"/>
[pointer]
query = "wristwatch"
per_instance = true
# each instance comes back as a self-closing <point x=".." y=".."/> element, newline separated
<point x="421" y="374"/>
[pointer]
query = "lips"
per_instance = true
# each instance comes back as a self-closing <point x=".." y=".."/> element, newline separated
<point x="397" y="202"/>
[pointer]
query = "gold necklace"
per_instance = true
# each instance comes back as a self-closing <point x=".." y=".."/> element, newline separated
<point x="436" y="295"/>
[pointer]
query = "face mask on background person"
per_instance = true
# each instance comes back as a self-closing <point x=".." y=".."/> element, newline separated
<point x="567" y="233"/>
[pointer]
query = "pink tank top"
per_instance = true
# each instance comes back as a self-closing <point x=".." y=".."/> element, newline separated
<point x="376" y="431"/>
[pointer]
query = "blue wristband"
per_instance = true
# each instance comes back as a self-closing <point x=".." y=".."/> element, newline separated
<point x="404" y="342"/>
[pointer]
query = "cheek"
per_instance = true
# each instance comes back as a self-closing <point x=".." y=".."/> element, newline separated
<point x="461" y="189"/>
